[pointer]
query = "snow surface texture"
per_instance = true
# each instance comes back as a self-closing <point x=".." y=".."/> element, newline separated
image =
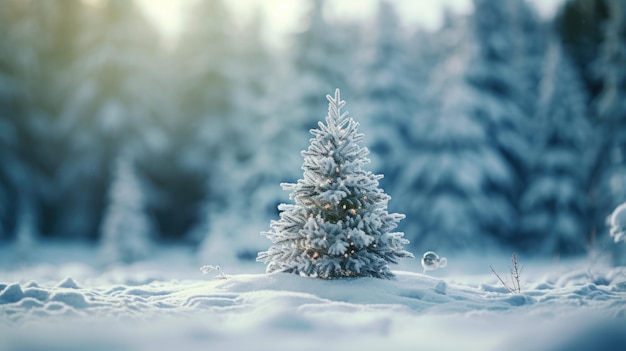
<point x="566" y="306"/>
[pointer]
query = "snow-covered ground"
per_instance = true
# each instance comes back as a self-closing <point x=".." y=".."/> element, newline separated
<point x="60" y="300"/>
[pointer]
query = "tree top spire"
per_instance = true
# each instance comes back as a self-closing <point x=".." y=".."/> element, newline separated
<point x="334" y="108"/>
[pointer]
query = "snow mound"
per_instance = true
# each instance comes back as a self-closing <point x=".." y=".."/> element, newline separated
<point x="618" y="223"/>
<point x="285" y="311"/>
<point x="68" y="283"/>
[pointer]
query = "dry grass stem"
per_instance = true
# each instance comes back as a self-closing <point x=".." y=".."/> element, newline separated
<point x="516" y="271"/>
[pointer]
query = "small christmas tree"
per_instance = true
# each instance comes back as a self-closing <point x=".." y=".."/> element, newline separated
<point x="339" y="225"/>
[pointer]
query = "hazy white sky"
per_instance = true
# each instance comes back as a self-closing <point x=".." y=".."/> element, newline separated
<point x="284" y="16"/>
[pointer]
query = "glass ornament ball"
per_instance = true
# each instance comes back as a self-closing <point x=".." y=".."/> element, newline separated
<point x="431" y="261"/>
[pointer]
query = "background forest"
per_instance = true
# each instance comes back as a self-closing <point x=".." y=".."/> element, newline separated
<point x="501" y="129"/>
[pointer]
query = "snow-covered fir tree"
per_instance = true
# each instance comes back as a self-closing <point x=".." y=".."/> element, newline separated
<point x="553" y="206"/>
<point x="125" y="232"/>
<point x="339" y="225"/>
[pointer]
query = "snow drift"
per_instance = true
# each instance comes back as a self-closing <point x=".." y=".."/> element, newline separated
<point x="566" y="309"/>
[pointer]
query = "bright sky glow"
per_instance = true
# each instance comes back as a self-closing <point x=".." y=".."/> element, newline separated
<point x="285" y="16"/>
<point x="166" y="14"/>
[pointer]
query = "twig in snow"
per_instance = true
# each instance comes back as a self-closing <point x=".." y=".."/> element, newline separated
<point x="516" y="272"/>
<point x="206" y="269"/>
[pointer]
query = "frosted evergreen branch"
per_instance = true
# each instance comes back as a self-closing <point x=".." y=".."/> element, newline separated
<point x="334" y="109"/>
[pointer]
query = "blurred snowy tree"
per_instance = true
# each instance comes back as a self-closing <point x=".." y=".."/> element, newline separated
<point x="458" y="184"/>
<point x="580" y="25"/>
<point x="427" y="49"/>
<point x="610" y="67"/>
<point x="471" y="141"/>
<point x="26" y="232"/>
<point x="13" y="101"/>
<point x="389" y="91"/>
<point x="531" y="40"/>
<point x="79" y="104"/>
<point x="319" y="60"/>
<point x="41" y="44"/>
<point x="246" y="165"/>
<point x="320" y="57"/>
<point x="113" y="103"/>
<point x="594" y="35"/>
<point x="609" y="178"/>
<point x="203" y="134"/>
<point x="507" y="67"/>
<point x="205" y="56"/>
<point x="253" y="81"/>
<point x="554" y="204"/>
<point x="48" y="45"/>
<point x="339" y="225"/>
<point x="125" y="231"/>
